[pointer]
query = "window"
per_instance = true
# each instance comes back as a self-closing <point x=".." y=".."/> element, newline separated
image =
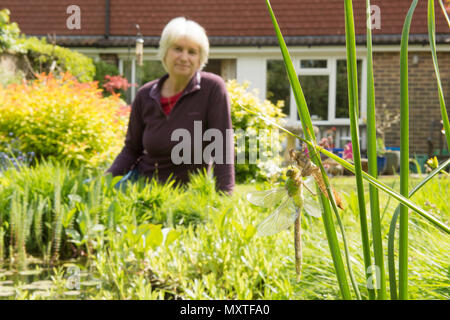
<point x="342" y="87"/>
<point x="315" y="90"/>
<point x="313" y="64"/>
<point x="214" y="66"/>
<point x="324" y="85"/>
<point x="278" y="87"/>
<point x="226" y="68"/>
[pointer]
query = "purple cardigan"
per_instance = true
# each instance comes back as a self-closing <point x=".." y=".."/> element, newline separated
<point x="204" y="99"/>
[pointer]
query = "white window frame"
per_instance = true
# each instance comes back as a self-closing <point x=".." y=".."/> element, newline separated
<point x="330" y="71"/>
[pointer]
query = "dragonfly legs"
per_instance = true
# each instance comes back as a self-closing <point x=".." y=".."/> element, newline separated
<point x="307" y="188"/>
<point x="298" y="246"/>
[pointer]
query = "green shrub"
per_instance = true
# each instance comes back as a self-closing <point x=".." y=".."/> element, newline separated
<point x="63" y="119"/>
<point x="9" y="33"/>
<point x="42" y="55"/>
<point x="248" y="124"/>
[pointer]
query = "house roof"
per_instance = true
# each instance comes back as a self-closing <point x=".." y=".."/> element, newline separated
<point x="227" y="22"/>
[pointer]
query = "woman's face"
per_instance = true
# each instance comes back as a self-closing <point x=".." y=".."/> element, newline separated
<point x="183" y="58"/>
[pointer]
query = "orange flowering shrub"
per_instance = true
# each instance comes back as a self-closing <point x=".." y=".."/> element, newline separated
<point x="63" y="119"/>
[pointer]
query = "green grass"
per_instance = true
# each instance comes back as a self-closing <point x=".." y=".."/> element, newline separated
<point x="214" y="252"/>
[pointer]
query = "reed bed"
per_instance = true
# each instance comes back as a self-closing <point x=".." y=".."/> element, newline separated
<point x="379" y="291"/>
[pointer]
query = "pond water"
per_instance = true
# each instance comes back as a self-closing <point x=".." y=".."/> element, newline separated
<point x="67" y="280"/>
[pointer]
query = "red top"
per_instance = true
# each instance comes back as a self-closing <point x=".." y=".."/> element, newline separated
<point x="168" y="103"/>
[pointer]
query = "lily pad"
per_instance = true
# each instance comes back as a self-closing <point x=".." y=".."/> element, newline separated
<point x="41" y="293"/>
<point x="39" y="285"/>
<point x="30" y="272"/>
<point x="72" y="293"/>
<point x="7" y="291"/>
<point x="91" y="283"/>
<point x="6" y="274"/>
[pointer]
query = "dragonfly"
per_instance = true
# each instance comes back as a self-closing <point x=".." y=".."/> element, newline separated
<point x="292" y="201"/>
<point x="303" y="161"/>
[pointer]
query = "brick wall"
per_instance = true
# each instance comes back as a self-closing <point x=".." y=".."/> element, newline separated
<point x="423" y="94"/>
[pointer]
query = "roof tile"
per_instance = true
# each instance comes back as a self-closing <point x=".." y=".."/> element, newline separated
<point x="219" y="17"/>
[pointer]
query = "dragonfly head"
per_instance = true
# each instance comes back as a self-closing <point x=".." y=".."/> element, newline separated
<point x="292" y="173"/>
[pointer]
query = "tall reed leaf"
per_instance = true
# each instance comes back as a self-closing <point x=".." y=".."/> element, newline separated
<point x="404" y="154"/>
<point x="391" y="238"/>
<point x="309" y="134"/>
<point x="372" y="158"/>
<point x="352" y="77"/>
<point x="432" y="38"/>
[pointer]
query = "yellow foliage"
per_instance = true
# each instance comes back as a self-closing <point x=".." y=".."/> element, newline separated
<point x="63" y="119"/>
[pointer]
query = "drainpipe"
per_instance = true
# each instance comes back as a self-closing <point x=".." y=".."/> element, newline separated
<point x="107" y="9"/>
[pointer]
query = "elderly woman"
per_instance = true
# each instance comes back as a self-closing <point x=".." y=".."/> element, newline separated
<point x="185" y="103"/>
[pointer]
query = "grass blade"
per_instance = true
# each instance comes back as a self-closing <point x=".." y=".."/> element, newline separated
<point x="309" y="134"/>
<point x="404" y="154"/>
<point x="352" y="77"/>
<point x="372" y="159"/>
<point x="432" y="37"/>
<point x="391" y="237"/>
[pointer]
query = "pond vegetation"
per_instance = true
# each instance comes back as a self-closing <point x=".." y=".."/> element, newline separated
<point x="154" y="241"/>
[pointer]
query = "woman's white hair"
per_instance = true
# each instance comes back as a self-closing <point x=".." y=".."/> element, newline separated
<point x="179" y="28"/>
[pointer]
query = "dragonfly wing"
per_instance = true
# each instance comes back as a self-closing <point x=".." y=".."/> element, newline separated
<point x="311" y="205"/>
<point x="266" y="198"/>
<point x="309" y="182"/>
<point x="283" y="217"/>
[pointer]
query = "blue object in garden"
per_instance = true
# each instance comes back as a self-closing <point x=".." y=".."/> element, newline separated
<point x="131" y="176"/>
<point x="381" y="164"/>
<point x="338" y="151"/>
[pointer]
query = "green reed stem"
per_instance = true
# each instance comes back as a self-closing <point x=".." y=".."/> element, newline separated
<point x="372" y="159"/>
<point x="391" y="237"/>
<point x="404" y="154"/>
<point x="432" y="38"/>
<point x="341" y="227"/>
<point x="309" y="134"/>
<point x="352" y="76"/>
<point x="2" y="245"/>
